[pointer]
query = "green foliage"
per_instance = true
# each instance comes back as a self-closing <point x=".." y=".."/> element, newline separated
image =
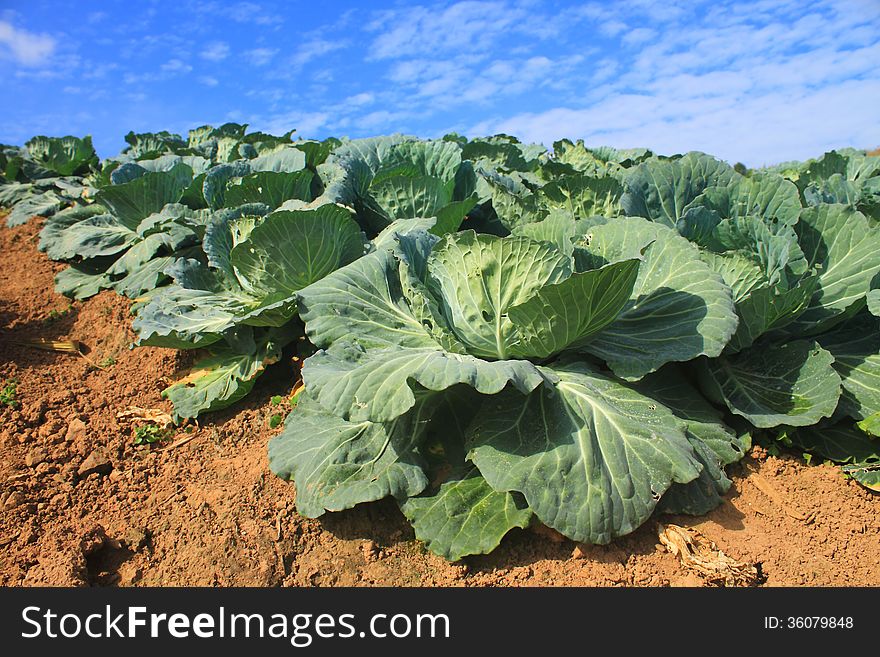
<point x="147" y="434"/>
<point x="8" y="394"/>
<point x="487" y="331"/>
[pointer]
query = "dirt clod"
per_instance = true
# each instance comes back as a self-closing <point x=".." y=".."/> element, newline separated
<point x="34" y="457"/>
<point x="76" y="431"/>
<point x="96" y="462"/>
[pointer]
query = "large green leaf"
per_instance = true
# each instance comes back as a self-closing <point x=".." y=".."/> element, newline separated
<point x="715" y="445"/>
<point x="600" y="159"/>
<point x="836" y="189"/>
<point x="53" y="230"/>
<point x="679" y="308"/>
<point x="557" y="229"/>
<point x="772" y="385"/>
<point x="336" y="464"/>
<point x="856" y="351"/>
<point x="584" y="196"/>
<point x="403" y="196"/>
<point x="377" y="384"/>
<point x="223" y="377"/>
<point x="513" y="202"/>
<point x="841" y="244"/>
<point x="12" y="192"/>
<point x="568" y="314"/>
<point x="395" y="177"/>
<point x="502" y="151"/>
<point x="479" y="278"/>
<point x="661" y="190"/>
<point x="841" y="443"/>
<point x="133" y="201"/>
<point x="101" y="235"/>
<point x="34" y="205"/>
<point x="362" y="303"/>
<point x="769" y="308"/>
<point x="768" y="196"/>
<point x="591" y="456"/>
<point x="867" y="474"/>
<point x="269" y="187"/>
<point x="874" y="302"/>
<point x="256" y="266"/>
<point x="141" y="269"/>
<point x="288" y="250"/>
<point x="459" y="513"/>
<point x="766" y="271"/>
<point x="84" y="279"/>
<point x="376" y="346"/>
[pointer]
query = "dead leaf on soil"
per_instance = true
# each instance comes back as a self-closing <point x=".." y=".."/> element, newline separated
<point x="698" y="553"/>
<point x="61" y="346"/>
<point x="150" y="415"/>
<point x="180" y="442"/>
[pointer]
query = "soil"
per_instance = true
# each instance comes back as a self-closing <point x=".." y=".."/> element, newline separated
<point x="81" y="505"/>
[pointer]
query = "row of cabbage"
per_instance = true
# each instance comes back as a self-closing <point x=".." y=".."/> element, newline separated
<point x="498" y="334"/>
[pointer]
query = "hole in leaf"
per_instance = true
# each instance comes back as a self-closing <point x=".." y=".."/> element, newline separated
<point x="487" y="316"/>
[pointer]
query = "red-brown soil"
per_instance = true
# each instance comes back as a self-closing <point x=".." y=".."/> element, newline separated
<point x="210" y="512"/>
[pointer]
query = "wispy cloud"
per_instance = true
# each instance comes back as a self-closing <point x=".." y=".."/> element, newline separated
<point x="171" y="69"/>
<point x="314" y="48"/>
<point x="216" y="51"/>
<point x="25" y="48"/>
<point x="305" y="123"/>
<point x="176" y="66"/>
<point x="260" y="56"/>
<point x="250" y="12"/>
<point x="462" y="26"/>
<point x="762" y="83"/>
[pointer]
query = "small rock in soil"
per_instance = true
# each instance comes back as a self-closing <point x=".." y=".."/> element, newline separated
<point x="76" y="431"/>
<point x="370" y="550"/>
<point x="97" y="461"/>
<point x="15" y="498"/>
<point x="35" y="457"/>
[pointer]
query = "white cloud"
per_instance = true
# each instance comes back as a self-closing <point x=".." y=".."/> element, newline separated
<point x="312" y="49"/>
<point x="260" y="56"/>
<point x="463" y="26"/>
<point x="249" y="12"/>
<point x="638" y="36"/>
<point x="359" y="100"/>
<point x="208" y="81"/>
<point x="305" y="123"/>
<point x="768" y="82"/>
<point x="26" y="48"/>
<point x="612" y="27"/>
<point x="216" y="51"/>
<point x="176" y="66"/>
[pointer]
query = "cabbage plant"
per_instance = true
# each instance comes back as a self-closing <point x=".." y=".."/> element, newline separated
<point x="554" y="333"/>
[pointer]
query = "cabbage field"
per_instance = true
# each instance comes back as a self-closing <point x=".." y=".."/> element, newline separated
<point x="490" y="332"/>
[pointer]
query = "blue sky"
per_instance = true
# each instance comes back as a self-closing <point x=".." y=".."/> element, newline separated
<point x="755" y="81"/>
